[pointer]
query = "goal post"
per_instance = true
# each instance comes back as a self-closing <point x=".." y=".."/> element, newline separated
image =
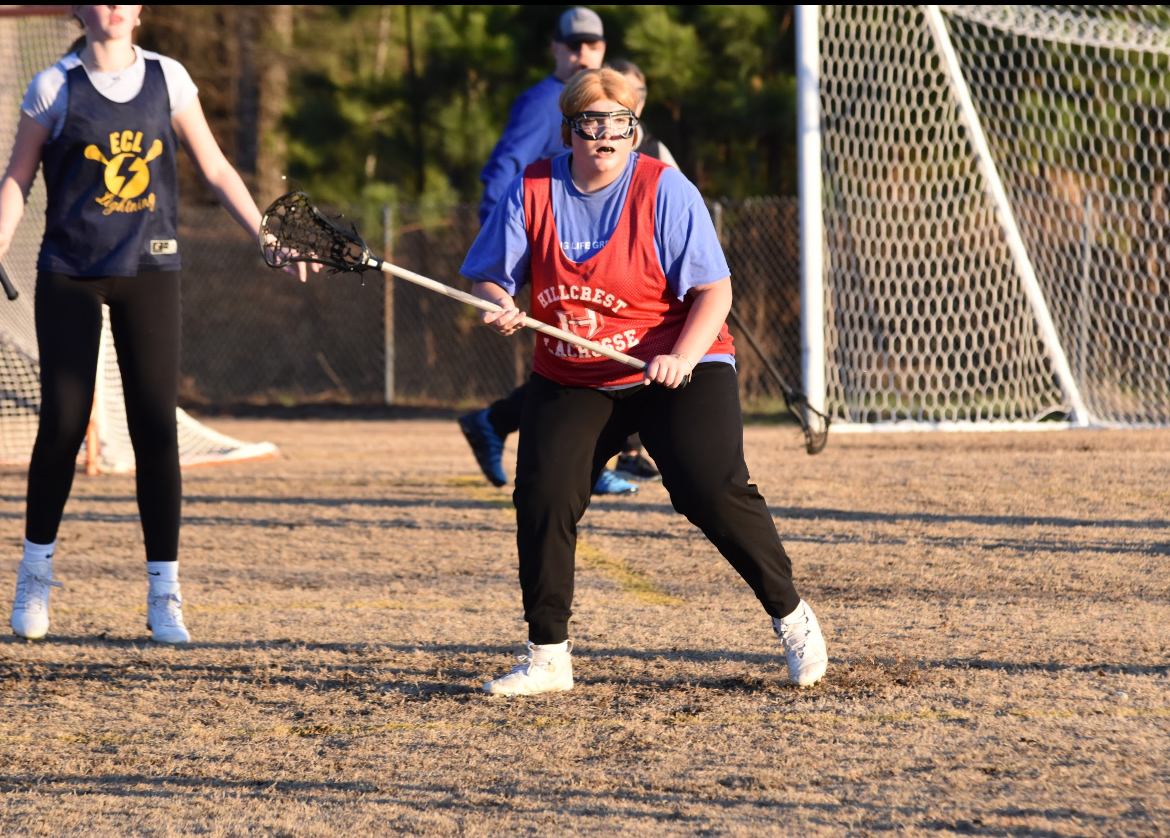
<point x="31" y="39"/>
<point x="812" y="230"/>
<point x="1006" y="217"/>
<point x="996" y="215"/>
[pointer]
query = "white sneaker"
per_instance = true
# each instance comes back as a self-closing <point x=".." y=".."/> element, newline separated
<point x="30" y="609"/>
<point x="164" y="618"/>
<point x="804" y="645"/>
<point x="537" y="673"/>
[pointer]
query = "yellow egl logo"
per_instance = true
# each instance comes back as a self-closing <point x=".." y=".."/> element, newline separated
<point x="126" y="174"/>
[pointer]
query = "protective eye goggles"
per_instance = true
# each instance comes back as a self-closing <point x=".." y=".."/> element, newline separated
<point x="595" y="125"/>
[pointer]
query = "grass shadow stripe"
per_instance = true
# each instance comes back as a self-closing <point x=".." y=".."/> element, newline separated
<point x="539" y="722"/>
<point x="322" y="605"/>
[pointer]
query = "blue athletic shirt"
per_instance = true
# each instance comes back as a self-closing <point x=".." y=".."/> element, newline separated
<point x="533" y="133"/>
<point x="688" y="250"/>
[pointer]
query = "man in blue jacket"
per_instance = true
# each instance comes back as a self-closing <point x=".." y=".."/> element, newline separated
<point x="534" y="125"/>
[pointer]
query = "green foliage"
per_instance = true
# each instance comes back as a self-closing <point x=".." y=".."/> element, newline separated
<point x="410" y="100"/>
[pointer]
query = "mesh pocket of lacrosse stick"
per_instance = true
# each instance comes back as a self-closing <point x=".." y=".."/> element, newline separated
<point x="813" y="423"/>
<point x="294" y="230"/>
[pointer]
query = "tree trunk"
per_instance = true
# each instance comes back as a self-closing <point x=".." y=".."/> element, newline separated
<point x="379" y="72"/>
<point x="247" y="93"/>
<point x="277" y="31"/>
<point x="416" y="95"/>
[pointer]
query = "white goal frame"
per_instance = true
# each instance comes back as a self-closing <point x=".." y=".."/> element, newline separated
<point x="817" y="257"/>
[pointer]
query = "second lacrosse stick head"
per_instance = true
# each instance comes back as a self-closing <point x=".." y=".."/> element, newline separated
<point x="294" y="230"/>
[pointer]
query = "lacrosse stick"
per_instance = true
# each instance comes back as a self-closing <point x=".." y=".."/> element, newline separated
<point x="797" y="402"/>
<point x="293" y="230"/>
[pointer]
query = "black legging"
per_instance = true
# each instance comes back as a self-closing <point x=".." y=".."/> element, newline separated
<point x="146" y="319"/>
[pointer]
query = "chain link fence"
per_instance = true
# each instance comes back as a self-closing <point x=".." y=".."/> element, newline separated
<point x="254" y="336"/>
<point x="761" y="239"/>
<point x="442" y="352"/>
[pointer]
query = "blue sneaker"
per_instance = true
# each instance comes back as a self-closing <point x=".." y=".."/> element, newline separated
<point x="609" y="483"/>
<point x="486" y="444"/>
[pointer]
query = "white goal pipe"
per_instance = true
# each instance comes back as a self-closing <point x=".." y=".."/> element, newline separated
<point x="812" y="223"/>
<point x="1023" y="263"/>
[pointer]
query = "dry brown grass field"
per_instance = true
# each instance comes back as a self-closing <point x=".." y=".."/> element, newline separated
<point x="997" y="609"/>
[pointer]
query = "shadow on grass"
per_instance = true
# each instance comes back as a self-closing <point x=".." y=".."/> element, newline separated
<point x="818" y="514"/>
<point x="375" y="665"/>
<point x="661" y="804"/>
<point x="789" y="513"/>
<point x="975" y="826"/>
<point x="297" y="519"/>
<point x="277" y="500"/>
<point x="1028" y="546"/>
<point x="569" y="804"/>
<point x="131" y="785"/>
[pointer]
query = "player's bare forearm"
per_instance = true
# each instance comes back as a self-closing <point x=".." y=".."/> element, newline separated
<point x="192" y="130"/>
<point x="195" y="135"/>
<point x="506" y="322"/>
<point x="709" y="307"/>
<point x="229" y="188"/>
<point x="11" y="211"/>
<point x="707" y="315"/>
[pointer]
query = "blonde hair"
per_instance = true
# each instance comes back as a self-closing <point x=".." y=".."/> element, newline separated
<point x="591" y="86"/>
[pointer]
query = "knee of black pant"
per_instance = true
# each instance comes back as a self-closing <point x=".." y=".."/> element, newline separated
<point x="154" y="437"/>
<point x="709" y="498"/>
<point x="156" y="456"/>
<point x="547" y="490"/>
<point x="60" y="435"/>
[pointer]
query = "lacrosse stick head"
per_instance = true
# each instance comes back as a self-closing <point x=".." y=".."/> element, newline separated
<point x="816" y="429"/>
<point x="813" y="423"/>
<point x="294" y="230"/>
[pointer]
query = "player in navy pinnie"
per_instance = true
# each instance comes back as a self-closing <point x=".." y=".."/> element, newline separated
<point x="105" y="123"/>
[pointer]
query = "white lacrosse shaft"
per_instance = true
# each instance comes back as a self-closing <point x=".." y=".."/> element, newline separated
<point x="484" y="305"/>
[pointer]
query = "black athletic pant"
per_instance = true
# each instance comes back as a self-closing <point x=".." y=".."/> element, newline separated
<point x="145" y="318"/>
<point x="504" y="417"/>
<point x="504" y="414"/>
<point x="694" y="434"/>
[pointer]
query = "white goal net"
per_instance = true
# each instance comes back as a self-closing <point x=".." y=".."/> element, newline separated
<point x="996" y="209"/>
<point x="29" y="42"/>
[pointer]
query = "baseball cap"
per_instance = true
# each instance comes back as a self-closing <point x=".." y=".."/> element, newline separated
<point x="579" y="24"/>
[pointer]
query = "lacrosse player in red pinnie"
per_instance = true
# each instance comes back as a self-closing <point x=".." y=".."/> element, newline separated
<point x="620" y="248"/>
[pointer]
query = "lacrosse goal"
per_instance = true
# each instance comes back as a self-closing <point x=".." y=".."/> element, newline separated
<point x="987" y="195"/>
<point x="32" y="38"/>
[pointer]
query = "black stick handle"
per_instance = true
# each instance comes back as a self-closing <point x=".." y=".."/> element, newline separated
<point x="9" y="288"/>
<point x="789" y="391"/>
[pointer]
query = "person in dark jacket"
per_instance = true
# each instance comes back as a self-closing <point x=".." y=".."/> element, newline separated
<point x="644" y="142"/>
